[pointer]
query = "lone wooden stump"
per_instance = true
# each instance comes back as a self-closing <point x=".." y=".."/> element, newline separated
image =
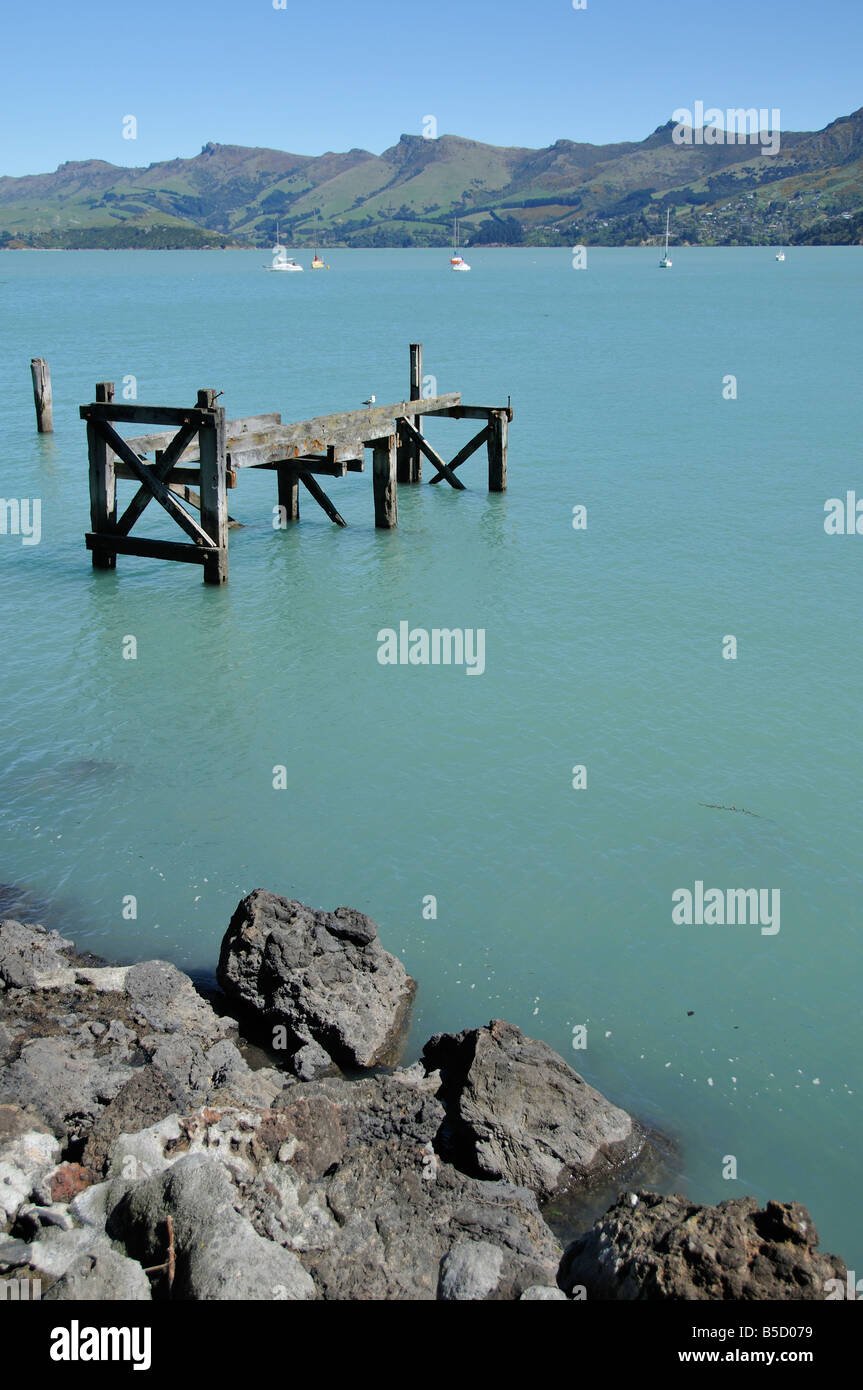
<point x="41" y="374"/>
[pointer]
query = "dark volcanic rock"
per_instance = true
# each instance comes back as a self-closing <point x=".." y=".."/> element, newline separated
<point x="653" y="1247"/>
<point x="324" y="976"/>
<point x="517" y="1110"/>
<point x="386" y="1219"/>
<point x="142" y="1101"/>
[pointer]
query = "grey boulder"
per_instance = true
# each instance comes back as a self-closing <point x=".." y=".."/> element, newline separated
<point x="323" y="976"/>
<point x="100" y="1274"/>
<point x="516" y="1110"/>
<point x="219" y="1255"/>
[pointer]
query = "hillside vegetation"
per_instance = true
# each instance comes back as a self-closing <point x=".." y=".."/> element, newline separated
<point x="810" y="192"/>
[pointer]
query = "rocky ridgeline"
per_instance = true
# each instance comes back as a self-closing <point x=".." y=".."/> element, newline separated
<point x="142" y="1156"/>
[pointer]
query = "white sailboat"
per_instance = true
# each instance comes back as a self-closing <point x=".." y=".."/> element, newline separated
<point x="780" y="255"/>
<point x="281" y="259"/>
<point x="665" y="263"/>
<point x="456" y="261"/>
<point x="317" y="262"/>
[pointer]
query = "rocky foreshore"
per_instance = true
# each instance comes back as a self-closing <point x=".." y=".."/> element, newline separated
<point x="148" y="1152"/>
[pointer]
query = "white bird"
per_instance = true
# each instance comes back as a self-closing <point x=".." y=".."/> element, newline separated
<point x="370" y="401"/>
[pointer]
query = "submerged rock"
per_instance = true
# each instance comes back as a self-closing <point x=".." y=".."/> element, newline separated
<point x="516" y="1110"/>
<point x="323" y="976"/>
<point x="652" y="1247"/>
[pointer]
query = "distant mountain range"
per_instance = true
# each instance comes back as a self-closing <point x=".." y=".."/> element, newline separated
<point x="810" y="192"/>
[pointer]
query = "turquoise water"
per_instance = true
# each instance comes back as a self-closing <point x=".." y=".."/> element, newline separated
<point x="153" y="777"/>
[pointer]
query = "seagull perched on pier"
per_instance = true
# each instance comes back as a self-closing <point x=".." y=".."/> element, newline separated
<point x="370" y="401"/>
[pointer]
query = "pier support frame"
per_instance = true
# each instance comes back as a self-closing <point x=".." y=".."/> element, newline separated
<point x="107" y="449"/>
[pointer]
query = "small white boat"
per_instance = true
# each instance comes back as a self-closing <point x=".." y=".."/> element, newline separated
<point x="780" y="255"/>
<point x="281" y="259"/>
<point x="456" y="261"/>
<point x="666" y="262"/>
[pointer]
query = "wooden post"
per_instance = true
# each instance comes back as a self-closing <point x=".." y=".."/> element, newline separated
<point x="416" y="467"/>
<point x="103" y="483"/>
<point x="410" y="467"/>
<point x="41" y="374"/>
<point x="289" y="491"/>
<point x="384" y="481"/>
<point x="214" y="491"/>
<point x="498" y="434"/>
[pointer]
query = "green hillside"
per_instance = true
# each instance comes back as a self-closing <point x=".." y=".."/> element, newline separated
<point x="614" y="195"/>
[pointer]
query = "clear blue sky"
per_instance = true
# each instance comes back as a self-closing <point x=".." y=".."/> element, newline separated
<point x="329" y="74"/>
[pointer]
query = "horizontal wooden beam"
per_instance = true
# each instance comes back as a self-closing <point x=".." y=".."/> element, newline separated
<point x="262" y="450"/>
<point x="235" y="431"/>
<point x="303" y="463"/>
<point x="472" y="412"/>
<point x="275" y="442"/>
<point x="118" y="413"/>
<point x="191" y="476"/>
<point x="154" y="550"/>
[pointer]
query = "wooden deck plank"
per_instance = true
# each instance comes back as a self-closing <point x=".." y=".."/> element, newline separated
<point x="236" y="430"/>
<point x="273" y="442"/>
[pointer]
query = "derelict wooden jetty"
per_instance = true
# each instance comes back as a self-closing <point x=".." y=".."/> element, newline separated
<point x="198" y="448"/>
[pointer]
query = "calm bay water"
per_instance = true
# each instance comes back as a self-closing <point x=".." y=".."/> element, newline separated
<point x="604" y="648"/>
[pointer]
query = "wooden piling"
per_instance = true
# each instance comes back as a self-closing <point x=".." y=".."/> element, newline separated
<point x="41" y="374"/>
<point x="214" y="494"/>
<point x="410" y="467"/>
<point x="498" y="435"/>
<point x="385" y="482"/>
<point x="103" y="483"/>
<point x="289" y="491"/>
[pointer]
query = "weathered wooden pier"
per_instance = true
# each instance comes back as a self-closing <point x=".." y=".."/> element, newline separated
<point x="199" y="448"/>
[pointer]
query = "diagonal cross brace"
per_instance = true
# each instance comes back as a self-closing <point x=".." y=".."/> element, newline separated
<point x="161" y="471"/>
<point x="444" y="469"/>
<point x="465" y="453"/>
<point x="154" y="485"/>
